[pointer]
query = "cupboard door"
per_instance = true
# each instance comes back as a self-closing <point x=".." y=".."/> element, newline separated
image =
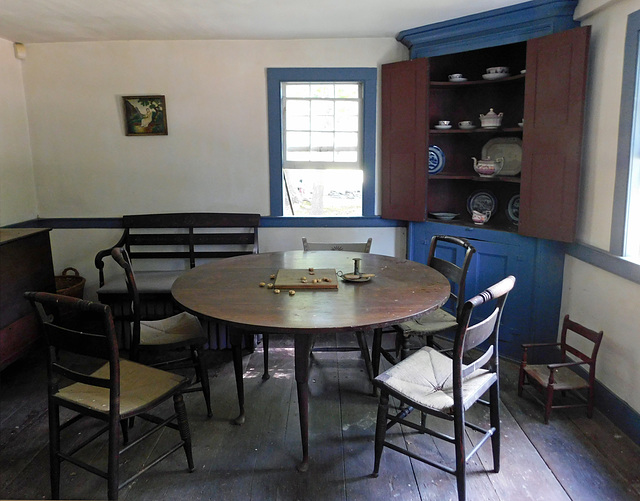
<point x="404" y="140"/>
<point x="552" y="140"/>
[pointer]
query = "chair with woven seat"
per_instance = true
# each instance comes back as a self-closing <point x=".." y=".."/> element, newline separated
<point x="549" y="378"/>
<point x="439" y="322"/>
<point x="102" y="386"/>
<point x="155" y="338"/>
<point x="363" y="346"/>
<point x="444" y="387"/>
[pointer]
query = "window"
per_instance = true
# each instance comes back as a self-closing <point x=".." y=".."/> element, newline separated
<point x="625" y="232"/>
<point x="322" y="141"/>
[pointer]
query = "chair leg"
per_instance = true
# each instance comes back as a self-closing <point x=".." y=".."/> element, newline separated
<point x="375" y="352"/>
<point x="124" y="426"/>
<point x="494" y="411"/>
<point x="364" y="349"/>
<point x="113" y="458"/>
<point x="381" y="430"/>
<point x="590" y="400"/>
<point x="461" y="464"/>
<point x="54" y="448"/>
<point x="404" y="345"/>
<point x="521" y="380"/>
<point x="548" y="404"/>
<point x="183" y="426"/>
<point x="202" y="372"/>
<point x="265" y="352"/>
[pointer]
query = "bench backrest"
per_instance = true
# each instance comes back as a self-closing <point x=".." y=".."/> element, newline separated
<point x="189" y="236"/>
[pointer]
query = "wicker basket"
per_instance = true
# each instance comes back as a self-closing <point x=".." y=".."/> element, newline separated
<point x="70" y="285"/>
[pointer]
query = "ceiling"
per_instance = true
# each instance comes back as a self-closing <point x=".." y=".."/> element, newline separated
<point x="40" y="21"/>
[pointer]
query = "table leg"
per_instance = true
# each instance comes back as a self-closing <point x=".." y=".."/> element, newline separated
<point x="235" y="337"/>
<point x="302" y="349"/>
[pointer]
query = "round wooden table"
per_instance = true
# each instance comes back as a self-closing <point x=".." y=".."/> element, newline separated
<point x="229" y="291"/>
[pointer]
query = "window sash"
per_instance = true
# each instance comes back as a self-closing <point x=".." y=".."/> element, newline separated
<point x="313" y="146"/>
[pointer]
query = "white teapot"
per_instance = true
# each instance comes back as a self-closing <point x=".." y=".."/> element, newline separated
<point x="488" y="167"/>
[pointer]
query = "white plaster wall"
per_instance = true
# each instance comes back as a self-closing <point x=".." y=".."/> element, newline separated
<point x="17" y="188"/>
<point x="215" y="157"/>
<point x="593" y="296"/>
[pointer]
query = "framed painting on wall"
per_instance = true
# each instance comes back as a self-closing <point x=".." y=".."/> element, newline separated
<point x="145" y="116"/>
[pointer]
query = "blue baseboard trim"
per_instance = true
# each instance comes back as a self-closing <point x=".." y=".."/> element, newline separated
<point x="618" y="412"/>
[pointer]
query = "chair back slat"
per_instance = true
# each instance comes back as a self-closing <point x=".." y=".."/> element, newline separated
<point x="469" y="336"/>
<point x="591" y="335"/>
<point x="72" y="327"/>
<point x="480" y="332"/>
<point x="456" y="274"/>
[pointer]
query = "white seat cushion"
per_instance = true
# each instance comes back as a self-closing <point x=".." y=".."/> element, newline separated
<point x="433" y="323"/>
<point x="178" y="329"/>
<point x="426" y="378"/>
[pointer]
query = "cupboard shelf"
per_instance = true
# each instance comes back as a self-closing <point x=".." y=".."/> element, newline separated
<point x="500" y="81"/>
<point x="475" y="178"/>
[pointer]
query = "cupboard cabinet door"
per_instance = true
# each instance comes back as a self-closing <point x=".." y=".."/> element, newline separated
<point x="404" y="139"/>
<point x="552" y="141"/>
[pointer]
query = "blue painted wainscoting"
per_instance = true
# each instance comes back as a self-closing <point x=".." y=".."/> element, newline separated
<point x="532" y="313"/>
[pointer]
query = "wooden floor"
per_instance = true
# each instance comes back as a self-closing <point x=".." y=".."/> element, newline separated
<point x="571" y="458"/>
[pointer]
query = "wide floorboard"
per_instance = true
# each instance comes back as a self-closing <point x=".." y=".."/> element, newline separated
<point x="573" y="457"/>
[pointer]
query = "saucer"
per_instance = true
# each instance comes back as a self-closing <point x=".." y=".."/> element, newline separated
<point x="457" y="79"/>
<point x="494" y="76"/>
<point x="442" y="127"/>
<point x="467" y="127"/>
<point x="520" y="124"/>
<point x="523" y="71"/>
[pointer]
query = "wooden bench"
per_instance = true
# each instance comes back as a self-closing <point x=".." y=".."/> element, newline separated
<point x="161" y="247"/>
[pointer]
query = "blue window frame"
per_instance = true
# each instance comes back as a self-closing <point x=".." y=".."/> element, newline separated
<point x="368" y="78"/>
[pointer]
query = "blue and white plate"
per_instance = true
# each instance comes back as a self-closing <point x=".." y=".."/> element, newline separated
<point x="482" y="201"/>
<point x="513" y="209"/>
<point x="436" y="159"/>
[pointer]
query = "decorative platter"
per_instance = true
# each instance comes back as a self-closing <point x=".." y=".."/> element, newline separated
<point x="509" y="148"/>
<point x="513" y="209"/>
<point x="482" y="201"/>
<point x="436" y="159"/>
<point x="444" y="216"/>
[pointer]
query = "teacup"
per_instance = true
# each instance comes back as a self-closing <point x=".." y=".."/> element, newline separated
<point x="465" y="123"/>
<point x="455" y="76"/>
<point x="498" y="69"/>
<point x="480" y="217"/>
<point x="444" y="122"/>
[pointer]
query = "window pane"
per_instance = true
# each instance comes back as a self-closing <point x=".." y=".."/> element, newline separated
<point x="321" y="90"/>
<point x="296" y="90"/>
<point x="319" y="192"/>
<point x="348" y="91"/>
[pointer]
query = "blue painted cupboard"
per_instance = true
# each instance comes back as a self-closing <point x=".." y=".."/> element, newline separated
<point x="545" y="90"/>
